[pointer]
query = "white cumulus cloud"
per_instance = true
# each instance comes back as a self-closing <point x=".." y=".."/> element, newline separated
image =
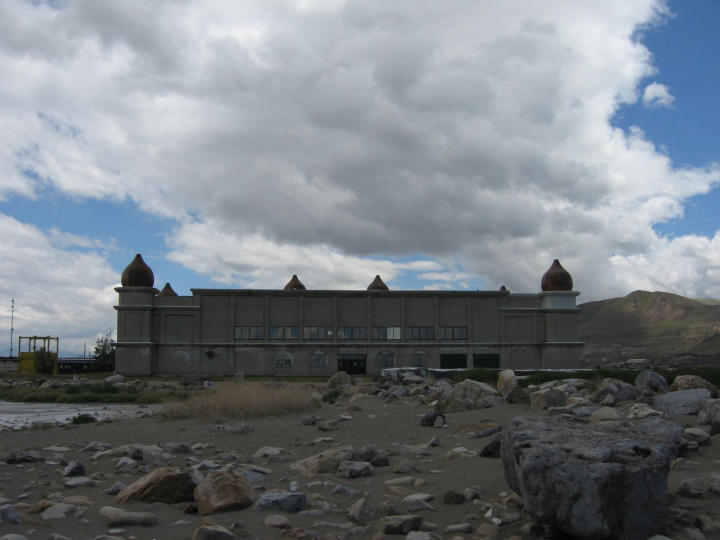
<point x="657" y="95"/>
<point x="337" y="139"/>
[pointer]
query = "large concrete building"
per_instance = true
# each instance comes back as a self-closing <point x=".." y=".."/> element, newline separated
<point x="294" y="331"/>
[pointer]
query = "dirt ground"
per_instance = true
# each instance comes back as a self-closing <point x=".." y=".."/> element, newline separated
<point x="373" y="421"/>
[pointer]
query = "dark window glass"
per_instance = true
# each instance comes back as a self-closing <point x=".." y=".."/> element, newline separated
<point x="249" y="332"/>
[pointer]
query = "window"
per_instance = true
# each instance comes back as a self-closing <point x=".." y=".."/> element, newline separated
<point x="283" y="360"/>
<point x="283" y="332"/>
<point x="386" y="332"/>
<point x="420" y="359"/>
<point x="318" y="332"/>
<point x="420" y="333"/>
<point x="453" y="332"/>
<point x="386" y="359"/>
<point x="352" y="332"/>
<point x="249" y="332"/>
<point x="318" y="359"/>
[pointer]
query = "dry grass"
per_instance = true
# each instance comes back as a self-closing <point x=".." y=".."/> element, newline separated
<point x="244" y="400"/>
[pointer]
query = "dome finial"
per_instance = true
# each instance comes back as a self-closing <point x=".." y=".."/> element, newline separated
<point x="167" y="290"/>
<point x="556" y="278"/>
<point x="137" y="274"/>
<point x="377" y="285"/>
<point x="294" y="284"/>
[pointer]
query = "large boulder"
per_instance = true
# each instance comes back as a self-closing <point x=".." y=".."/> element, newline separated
<point x="710" y="414"/>
<point x="544" y="399"/>
<point x="465" y="394"/>
<point x="651" y="380"/>
<point x="223" y="490"/>
<point x="588" y="480"/>
<point x="610" y="391"/>
<point x="506" y="381"/>
<point x="682" y="401"/>
<point x="166" y="484"/>
<point x="688" y="382"/>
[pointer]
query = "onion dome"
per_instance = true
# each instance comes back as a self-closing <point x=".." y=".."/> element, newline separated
<point x="556" y="278"/>
<point x="137" y="274"/>
<point x="377" y="285"/>
<point x="167" y="290"/>
<point x="294" y="284"/>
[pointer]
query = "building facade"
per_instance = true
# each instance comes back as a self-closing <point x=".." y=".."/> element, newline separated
<point x="295" y="331"/>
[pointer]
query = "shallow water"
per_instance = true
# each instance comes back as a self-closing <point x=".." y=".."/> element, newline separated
<point x="23" y="415"/>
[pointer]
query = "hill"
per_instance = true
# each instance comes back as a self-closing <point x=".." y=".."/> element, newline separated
<point x="660" y="326"/>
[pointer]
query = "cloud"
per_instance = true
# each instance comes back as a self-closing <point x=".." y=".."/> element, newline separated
<point x="657" y="95"/>
<point x="57" y="291"/>
<point x="333" y="139"/>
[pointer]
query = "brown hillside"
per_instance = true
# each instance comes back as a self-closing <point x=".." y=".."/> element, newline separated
<point x="655" y="325"/>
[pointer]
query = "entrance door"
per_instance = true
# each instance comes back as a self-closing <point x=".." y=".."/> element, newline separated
<point x="352" y="364"/>
<point x="453" y="361"/>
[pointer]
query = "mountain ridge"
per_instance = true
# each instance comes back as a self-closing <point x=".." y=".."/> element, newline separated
<point x="660" y="326"/>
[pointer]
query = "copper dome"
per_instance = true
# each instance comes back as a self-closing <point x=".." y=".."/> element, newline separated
<point x="167" y="290"/>
<point x="294" y="284"/>
<point x="137" y="274"/>
<point x="556" y="278"/>
<point x="377" y="285"/>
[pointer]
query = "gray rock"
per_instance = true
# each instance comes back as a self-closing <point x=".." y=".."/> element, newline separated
<point x="615" y="389"/>
<point x="506" y="381"/>
<point x="700" y="486"/>
<point x="79" y="481"/>
<point x="682" y="401"/>
<point x="651" y="380"/>
<point x="400" y="524"/>
<point x="518" y="395"/>
<point x="659" y="427"/>
<point x="374" y="456"/>
<point x="212" y="532"/>
<point x="8" y="514"/>
<point x="74" y="468"/>
<point x="700" y="436"/>
<point x="116" y="488"/>
<point x="588" y="480"/>
<point x="23" y="457"/>
<point x="61" y="511"/>
<point x="117" y="517"/>
<point x="285" y="501"/>
<point x="544" y="399"/>
<point x="397" y="391"/>
<point x="491" y="449"/>
<point x="710" y="414"/>
<point x="355" y="469"/>
<point x="13" y="536"/>
<point x="114" y="379"/>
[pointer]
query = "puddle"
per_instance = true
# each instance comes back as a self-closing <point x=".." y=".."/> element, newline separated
<point x="23" y="415"/>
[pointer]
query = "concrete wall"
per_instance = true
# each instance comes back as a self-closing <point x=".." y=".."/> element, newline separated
<point x="189" y="335"/>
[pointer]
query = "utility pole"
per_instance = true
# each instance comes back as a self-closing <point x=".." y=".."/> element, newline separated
<point x="12" y="325"/>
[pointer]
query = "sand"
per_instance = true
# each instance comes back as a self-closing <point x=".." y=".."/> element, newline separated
<point x="374" y="422"/>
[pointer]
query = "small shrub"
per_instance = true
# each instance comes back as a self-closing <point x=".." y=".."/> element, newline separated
<point x="488" y="376"/>
<point x="332" y="395"/>
<point x="83" y="418"/>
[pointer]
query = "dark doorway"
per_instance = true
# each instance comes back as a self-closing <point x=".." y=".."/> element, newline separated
<point x="453" y="361"/>
<point x="486" y="360"/>
<point x="352" y="364"/>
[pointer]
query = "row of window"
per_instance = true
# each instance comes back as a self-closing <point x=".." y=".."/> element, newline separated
<point x="356" y="333"/>
<point x="318" y="360"/>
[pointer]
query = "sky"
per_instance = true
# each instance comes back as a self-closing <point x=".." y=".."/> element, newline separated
<point x="461" y="145"/>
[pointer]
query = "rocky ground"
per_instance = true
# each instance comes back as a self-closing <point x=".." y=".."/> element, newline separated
<point x="382" y="461"/>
